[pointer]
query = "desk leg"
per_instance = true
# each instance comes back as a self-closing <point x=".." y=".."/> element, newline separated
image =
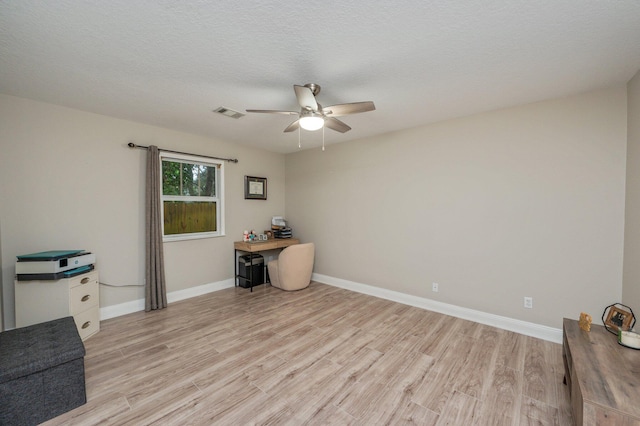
<point x="266" y="274"/>
<point x="251" y="272"/>
<point x="235" y="268"/>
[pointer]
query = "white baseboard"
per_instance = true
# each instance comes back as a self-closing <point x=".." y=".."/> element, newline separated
<point x="188" y="293"/>
<point x="527" y="328"/>
<point x="138" y="305"/>
<point x="113" y="311"/>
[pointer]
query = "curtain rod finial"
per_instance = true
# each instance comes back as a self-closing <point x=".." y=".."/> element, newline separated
<point x="131" y="145"/>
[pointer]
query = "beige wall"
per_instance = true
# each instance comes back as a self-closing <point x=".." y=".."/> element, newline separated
<point x="526" y="201"/>
<point x="631" y="275"/>
<point x="69" y="182"/>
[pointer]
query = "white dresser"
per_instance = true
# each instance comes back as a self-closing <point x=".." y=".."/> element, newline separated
<point x="79" y="297"/>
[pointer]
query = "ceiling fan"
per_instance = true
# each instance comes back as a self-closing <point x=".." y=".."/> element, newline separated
<point x="313" y="116"/>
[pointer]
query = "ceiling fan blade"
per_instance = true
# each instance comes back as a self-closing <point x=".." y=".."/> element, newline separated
<point x="293" y="126"/>
<point x="306" y="99"/>
<point x="337" y="125"/>
<point x="272" y="111"/>
<point x="346" y="109"/>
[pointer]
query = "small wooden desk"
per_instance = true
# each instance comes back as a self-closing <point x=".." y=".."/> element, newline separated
<point x="257" y="246"/>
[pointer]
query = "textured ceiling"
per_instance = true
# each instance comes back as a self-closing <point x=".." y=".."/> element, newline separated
<point x="170" y="63"/>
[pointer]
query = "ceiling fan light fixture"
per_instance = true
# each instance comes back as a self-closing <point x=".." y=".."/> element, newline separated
<point x="311" y="122"/>
<point x="313" y="117"/>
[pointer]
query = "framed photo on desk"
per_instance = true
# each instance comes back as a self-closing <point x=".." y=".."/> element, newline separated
<point x="255" y="188"/>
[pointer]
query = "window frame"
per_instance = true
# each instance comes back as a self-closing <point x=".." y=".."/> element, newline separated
<point x="218" y="198"/>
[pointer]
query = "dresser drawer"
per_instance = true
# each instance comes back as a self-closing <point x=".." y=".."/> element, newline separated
<point x="83" y="297"/>
<point x="84" y="279"/>
<point x="88" y="322"/>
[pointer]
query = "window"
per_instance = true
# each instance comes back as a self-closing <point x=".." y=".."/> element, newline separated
<point x="191" y="197"/>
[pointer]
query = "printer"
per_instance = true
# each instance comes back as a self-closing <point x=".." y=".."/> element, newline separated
<point x="54" y="264"/>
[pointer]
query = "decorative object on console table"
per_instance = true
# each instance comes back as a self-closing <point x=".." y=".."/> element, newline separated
<point x="255" y="188"/>
<point x="629" y="339"/>
<point x="618" y="317"/>
<point x="585" y="321"/>
<point x="38" y="301"/>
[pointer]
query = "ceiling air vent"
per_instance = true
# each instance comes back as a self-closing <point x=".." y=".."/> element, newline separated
<point x="228" y="112"/>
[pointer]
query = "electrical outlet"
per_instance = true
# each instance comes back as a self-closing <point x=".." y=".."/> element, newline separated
<point x="434" y="287"/>
<point x="528" y="302"/>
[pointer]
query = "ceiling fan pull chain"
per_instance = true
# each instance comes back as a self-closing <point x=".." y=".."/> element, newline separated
<point x="299" y="143"/>
<point x="323" y="138"/>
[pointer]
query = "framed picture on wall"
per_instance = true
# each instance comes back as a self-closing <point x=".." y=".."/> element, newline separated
<point x="255" y="188"/>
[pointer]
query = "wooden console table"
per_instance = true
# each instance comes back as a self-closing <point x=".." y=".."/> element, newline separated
<point x="258" y="246"/>
<point x="603" y="377"/>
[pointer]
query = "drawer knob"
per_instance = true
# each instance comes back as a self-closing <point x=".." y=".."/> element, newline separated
<point x="85" y="298"/>
<point x="84" y="280"/>
<point x="86" y="325"/>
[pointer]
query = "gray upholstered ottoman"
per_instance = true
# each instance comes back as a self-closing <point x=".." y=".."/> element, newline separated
<point x="41" y="372"/>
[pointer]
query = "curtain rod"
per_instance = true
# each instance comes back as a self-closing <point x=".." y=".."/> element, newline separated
<point x="231" y="160"/>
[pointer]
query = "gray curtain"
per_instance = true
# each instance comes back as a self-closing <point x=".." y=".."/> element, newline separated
<point x="155" y="289"/>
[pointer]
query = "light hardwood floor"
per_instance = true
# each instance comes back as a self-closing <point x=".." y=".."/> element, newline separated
<point x="322" y="355"/>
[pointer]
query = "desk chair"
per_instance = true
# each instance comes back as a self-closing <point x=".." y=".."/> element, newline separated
<point x="292" y="270"/>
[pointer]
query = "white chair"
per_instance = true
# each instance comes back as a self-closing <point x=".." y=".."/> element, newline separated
<point x="292" y="270"/>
